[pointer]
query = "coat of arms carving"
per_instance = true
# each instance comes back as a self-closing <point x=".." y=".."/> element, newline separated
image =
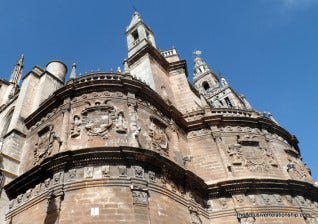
<point x="159" y="139"/>
<point x="248" y="153"/>
<point x="98" y="120"/>
<point x="45" y="145"/>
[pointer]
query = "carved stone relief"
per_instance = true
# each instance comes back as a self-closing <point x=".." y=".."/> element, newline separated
<point x="76" y="127"/>
<point x="195" y="218"/>
<point x="57" y="177"/>
<point x="88" y="172"/>
<point x="28" y="194"/>
<point x="121" y="124"/>
<point x="159" y="139"/>
<point x="11" y="204"/>
<point x="248" y="153"/>
<point x="71" y="174"/>
<point x="122" y="170"/>
<point x="134" y="129"/>
<point x="223" y="202"/>
<point x="248" y="220"/>
<point x="198" y="133"/>
<point x="105" y="171"/>
<point x="47" y="183"/>
<point x="152" y="176"/>
<point x="239" y="198"/>
<point x="98" y="120"/>
<point x="47" y="141"/>
<point x="139" y="172"/>
<point x="311" y="220"/>
<point x="296" y="169"/>
<point x="278" y="199"/>
<point x="140" y="197"/>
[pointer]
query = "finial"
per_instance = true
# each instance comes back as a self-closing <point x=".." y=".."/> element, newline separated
<point x="73" y="72"/>
<point x="118" y="70"/>
<point x="17" y="71"/>
<point x="197" y="53"/>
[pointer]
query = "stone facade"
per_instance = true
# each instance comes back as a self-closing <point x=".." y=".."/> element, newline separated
<point x="145" y="146"/>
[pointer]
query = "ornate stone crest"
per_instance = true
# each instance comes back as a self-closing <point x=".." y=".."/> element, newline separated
<point x="247" y="152"/>
<point x="44" y="147"/>
<point x="98" y="119"/>
<point x="159" y="139"/>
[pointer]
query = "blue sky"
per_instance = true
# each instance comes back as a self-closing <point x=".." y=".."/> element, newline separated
<point x="266" y="49"/>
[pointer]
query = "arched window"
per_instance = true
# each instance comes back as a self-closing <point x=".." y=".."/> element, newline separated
<point x="205" y="85"/>
<point x="6" y="123"/>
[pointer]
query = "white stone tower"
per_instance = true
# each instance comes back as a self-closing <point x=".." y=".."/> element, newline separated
<point x="216" y="90"/>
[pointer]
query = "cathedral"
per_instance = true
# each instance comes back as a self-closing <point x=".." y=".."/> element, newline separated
<point x="144" y="145"/>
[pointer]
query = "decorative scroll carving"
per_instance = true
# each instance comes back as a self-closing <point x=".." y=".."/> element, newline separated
<point x="98" y="119"/>
<point x="159" y="139"/>
<point x="46" y="140"/>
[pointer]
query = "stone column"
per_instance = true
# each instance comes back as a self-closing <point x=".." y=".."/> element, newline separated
<point x="66" y="123"/>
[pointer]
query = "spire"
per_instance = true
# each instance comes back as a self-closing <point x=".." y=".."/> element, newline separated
<point x="73" y="72"/>
<point x="200" y="66"/>
<point x="138" y="35"/>
<point x="17" y="71"/>
<point x="135" y="19"/>
<point x="203" y="77"/>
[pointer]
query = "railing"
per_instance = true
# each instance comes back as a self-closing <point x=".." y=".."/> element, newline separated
<point x="98" y="76"/>
<point x="169" y="53"/>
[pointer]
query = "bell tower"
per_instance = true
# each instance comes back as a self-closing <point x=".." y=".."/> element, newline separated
<point x="204" y="79"/>
<point x="138" y="34"/>
<point x="216" y="90"/>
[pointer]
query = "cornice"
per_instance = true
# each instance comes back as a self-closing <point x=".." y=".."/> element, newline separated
<point x="154" y="161"/>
